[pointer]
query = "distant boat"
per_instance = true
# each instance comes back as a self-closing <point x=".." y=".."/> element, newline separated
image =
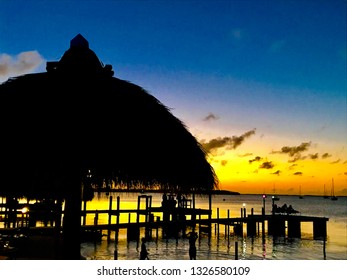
<point x="300" y="195"/>
<point x="325" y="196"/>
<point x="333" y="197"/>
<point x="274" y="197"/>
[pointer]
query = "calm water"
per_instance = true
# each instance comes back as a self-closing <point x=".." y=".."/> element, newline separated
<point x="222" y="247"/>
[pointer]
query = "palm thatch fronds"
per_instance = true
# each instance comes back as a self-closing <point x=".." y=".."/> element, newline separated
<point x="54" y="125"/>
<point x="77" y="117"/>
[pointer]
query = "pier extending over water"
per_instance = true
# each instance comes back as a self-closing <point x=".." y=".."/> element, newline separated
<point x="172" y="220"/>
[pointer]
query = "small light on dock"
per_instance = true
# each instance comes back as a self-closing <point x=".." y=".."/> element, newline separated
<point x="25" y="210"/>
<point x="264" y="197"/>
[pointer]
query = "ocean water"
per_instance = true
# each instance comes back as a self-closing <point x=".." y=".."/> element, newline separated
<point x="222" y="246"/>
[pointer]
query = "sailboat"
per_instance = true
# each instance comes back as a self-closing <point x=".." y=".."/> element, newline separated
<point x="325" y="196"/>
<point x="300" y="195"/>
<point x="274" y="197"/>
<point x="333" y="197"/>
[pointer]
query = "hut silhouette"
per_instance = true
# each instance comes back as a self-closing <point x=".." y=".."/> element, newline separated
<point x="75" y="117"/>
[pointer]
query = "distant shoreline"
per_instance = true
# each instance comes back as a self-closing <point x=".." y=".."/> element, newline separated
<point x="214" y="192"/>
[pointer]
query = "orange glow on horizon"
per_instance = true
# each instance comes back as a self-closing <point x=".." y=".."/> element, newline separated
<point x="279" y="176"/>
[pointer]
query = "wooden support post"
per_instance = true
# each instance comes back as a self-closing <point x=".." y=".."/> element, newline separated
<point x="319" y="229"/>
<point x="210" y="207"/>
<point x="84" y="212"/>
<point x="115" y="254"/>
<point x="294" y="228"/>
<point x="236" y="250"/>
<point x="117" y="219"/>
<point x="228" y="234"/>
<point x="109" y="218"/>
<point x="218" y="221"/>
<point x="251" y="227"/>
<point x="138" y="209"/>
<point x="193" y="217"/>
<point x="209" y="217"/>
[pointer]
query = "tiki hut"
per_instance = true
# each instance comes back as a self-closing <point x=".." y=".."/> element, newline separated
<point x="76" y="118"/>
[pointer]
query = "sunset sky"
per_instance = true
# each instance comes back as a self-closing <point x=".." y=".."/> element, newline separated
<point x="261" y="84"/>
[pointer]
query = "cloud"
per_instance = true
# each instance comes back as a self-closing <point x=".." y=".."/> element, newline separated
<point x="278" y="172"/>
<point x="293" y="166"/>
<point x="226" y="142"/>
<point x="22" y="63"/>
<point x="246" y="155"/>
<point x="326" y="155"/>
<point x="211" y="117"/>
<point x="294" y="151"/>
<point x="257" y="158"/>
<point x="297" y="173"/>
<point x="336" y="161"/>
<point x="267" y="165"/>
<point x="224" y="162"/>
<point x="313" y="156"/>
<point x="238" y="140"/>
<point x="294" y="159"/>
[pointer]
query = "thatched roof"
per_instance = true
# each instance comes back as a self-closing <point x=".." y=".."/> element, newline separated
<point x="77" y="117"/>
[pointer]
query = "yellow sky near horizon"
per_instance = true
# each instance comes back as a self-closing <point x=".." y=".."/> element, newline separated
<point x="258" y="166"/>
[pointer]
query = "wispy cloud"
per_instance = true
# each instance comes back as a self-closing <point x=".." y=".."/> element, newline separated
<point x="226" y="142"/>
<point x="224" y="162"/>
<point x="294" y="151"/>
<point x="257" y="158"/>
<point x="246" y="155"/>
<point x="293" y="166"/>
<point x="326" y="155"/>
<point x="336" y="161"/>
<point x="211" y="117"/>
<point x="278" y="172"/>
<point x="298" y="173"/>
<point x="22" y="63"/>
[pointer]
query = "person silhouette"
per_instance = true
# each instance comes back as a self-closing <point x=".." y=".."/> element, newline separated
<point x="193" y="236"/>
<point x="143" y="252"/>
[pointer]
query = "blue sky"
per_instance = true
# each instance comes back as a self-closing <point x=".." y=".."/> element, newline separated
<point x="224" y="67"/>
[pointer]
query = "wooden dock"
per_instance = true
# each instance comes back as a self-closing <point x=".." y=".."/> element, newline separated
<point x="174" y="220"/>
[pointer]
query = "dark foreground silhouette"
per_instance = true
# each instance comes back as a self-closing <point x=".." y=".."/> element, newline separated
<point x="76" y="118"/>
